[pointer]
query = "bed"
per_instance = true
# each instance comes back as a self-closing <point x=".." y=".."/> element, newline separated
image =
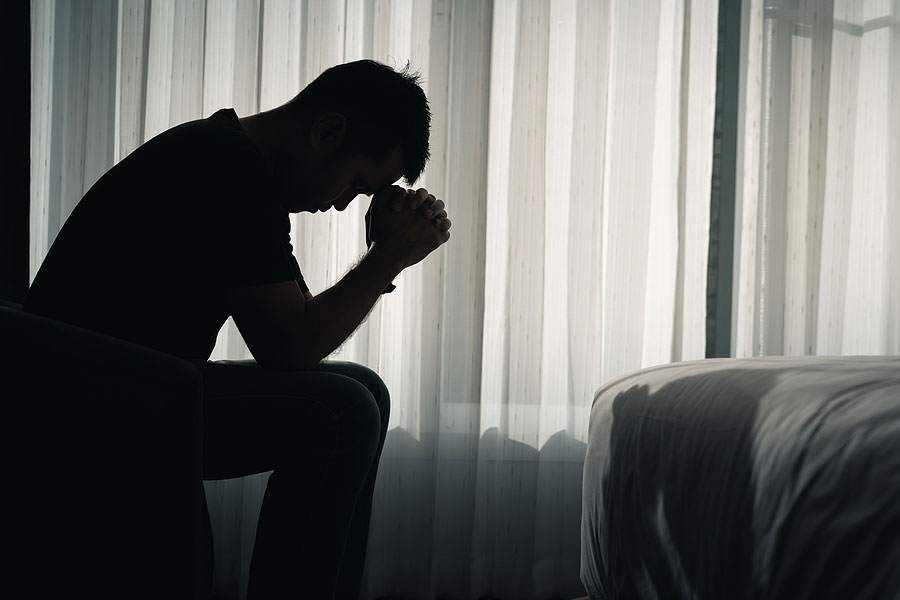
<point x="773" y="478"/>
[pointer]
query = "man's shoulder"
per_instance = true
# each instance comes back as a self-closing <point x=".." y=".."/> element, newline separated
<point x="224" y="121"/>
<point x="221" y="132"/>
<point x="210" y="149"/>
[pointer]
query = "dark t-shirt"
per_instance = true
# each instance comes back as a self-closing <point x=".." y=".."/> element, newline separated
<point x="151" y="248"/>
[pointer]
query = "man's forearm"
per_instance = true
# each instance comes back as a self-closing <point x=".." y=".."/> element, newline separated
<point x="332" y="316"/>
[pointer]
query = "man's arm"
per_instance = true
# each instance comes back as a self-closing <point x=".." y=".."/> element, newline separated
<point x="285" y="330"/>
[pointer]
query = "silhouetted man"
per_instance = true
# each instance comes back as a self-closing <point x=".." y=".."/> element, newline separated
<point x="192" y="228"/>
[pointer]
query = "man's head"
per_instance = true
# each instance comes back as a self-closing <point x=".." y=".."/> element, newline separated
<point x="364" y="126"/>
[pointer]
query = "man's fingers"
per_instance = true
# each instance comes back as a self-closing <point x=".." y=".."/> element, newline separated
<point x="435" y="209"/>
<point x="427" y="199"/>
<point x="398" y="198"/>
<point x="416" y="198"/>
<point x="442" y="223"/>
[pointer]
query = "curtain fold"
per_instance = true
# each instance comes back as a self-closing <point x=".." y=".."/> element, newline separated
<point x="572" y="142"/>
<point x="816" y="267"/>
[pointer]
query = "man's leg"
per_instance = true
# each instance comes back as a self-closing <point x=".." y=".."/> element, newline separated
<point x="354" y="561"/>
<point x="320" y="431"/>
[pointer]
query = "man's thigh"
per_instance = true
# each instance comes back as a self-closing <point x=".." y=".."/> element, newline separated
<point x="258" y="419"/>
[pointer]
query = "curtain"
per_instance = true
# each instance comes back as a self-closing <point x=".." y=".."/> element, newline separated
<point x="819" y="204"/>
<point x="572" y="142"/>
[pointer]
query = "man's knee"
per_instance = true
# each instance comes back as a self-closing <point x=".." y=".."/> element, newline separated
<point x="360" y="420"/>
<point x="375" y="384"/>
<point x="372" y="382"/>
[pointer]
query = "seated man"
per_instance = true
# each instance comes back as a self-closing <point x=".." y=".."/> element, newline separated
<point x="193" y="227"/>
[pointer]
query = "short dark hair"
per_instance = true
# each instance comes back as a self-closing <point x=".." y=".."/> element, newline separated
<point x="383" y="108"/>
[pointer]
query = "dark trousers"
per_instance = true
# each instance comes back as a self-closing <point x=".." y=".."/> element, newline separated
<point x="321" y="432"/>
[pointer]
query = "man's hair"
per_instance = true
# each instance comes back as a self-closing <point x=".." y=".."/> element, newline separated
<point x="383" y="107"/>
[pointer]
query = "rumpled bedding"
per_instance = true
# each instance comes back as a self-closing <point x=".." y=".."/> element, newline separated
<point x="774" y="478"/>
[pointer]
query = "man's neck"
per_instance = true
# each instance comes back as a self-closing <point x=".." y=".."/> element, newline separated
<point x="259" y="128"/>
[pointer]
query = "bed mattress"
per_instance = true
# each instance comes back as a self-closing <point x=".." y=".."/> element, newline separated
<point x="745" y="478"/>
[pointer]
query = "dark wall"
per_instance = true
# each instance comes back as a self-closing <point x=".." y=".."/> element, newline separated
<point x="15" y="54"/>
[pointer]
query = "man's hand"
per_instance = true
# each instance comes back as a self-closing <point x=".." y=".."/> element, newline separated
<point x="429" y="206"/>
<point x="405" y="225"/>
<point x="421" y="200"/>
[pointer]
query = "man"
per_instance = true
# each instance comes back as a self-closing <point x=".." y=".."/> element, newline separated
<point x="192" y="228"/>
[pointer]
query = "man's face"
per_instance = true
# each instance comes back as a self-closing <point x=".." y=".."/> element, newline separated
<point x="337" y="182"/>
<point x="324" y="171"/>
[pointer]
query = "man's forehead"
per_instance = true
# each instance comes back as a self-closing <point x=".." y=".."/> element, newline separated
<point x="382" y="172"/>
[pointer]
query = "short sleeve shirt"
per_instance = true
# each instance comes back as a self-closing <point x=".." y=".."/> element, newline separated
<point x="149" y="252"/>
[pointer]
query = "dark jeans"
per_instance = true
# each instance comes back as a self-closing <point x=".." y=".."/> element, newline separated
<point x="321" y="432"/>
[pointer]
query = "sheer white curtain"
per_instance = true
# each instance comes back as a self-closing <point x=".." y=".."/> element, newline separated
<point x="572" y="142"/>
<point x="817" y="268"/>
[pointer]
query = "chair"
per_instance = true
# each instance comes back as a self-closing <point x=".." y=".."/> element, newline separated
<point x="104" y="456"/>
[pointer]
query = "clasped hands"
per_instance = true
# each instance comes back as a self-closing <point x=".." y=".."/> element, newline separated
<point x="409" y="223"/>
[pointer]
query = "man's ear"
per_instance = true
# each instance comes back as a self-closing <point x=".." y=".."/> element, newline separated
<point x="328" y="132"/>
